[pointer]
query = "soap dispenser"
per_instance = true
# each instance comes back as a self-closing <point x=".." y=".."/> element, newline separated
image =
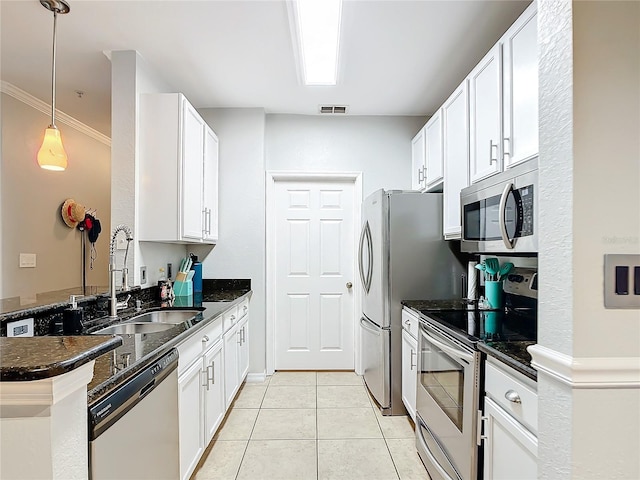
<point x="72" y="318"/>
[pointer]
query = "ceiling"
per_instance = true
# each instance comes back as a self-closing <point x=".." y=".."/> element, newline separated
<point x="397" y="57"/>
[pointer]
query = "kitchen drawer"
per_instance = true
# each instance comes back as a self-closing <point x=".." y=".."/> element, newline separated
<point x="230" y="318"/>
<point x="502" y="382"/>
<point x="194" y="346"/>
<point x="410" y="322"/>
<point x="243" y="308"/>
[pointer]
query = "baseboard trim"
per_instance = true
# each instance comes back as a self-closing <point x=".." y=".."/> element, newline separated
<point x="256" y="377"/>
<point x="586" y="372"/>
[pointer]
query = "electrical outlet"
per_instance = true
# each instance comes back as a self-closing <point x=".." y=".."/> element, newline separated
<point x="27" y="260"/>
<point x="20" y="328"/>
<point x="169" y="272"/>
<point x="621" y="281"/>
<point x="143" y="275"/>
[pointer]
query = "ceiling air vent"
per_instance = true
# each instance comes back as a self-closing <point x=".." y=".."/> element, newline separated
<point x="333" y="109"/>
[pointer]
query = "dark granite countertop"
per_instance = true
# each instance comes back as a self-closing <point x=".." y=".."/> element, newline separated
<point x="514" y="354"/>
<point x="510" y="348"/>
<point x="35" y="358"/>
<point x="142" y="349"/>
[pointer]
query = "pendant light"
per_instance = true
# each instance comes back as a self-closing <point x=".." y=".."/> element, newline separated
<point x="51" y="155"/>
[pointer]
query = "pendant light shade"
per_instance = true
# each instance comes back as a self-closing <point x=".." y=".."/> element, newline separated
<point x="51" y="155"/>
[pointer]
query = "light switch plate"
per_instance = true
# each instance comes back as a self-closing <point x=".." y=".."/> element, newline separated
<point x="27" y="260"/>
<point x="624" y="265"/>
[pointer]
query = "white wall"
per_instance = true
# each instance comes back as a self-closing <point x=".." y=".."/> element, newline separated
<point x="130" y="77"/>
<point x="380" y="147"/>
<point x="240" y="252"/>
<point x="32" y="197"/>
<point x="589" y="205"/>
<point x="251" y="143"/>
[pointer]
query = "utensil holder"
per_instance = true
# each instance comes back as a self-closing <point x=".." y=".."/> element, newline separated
<point x="183" y="289"/>
<point x="494" y="294"/>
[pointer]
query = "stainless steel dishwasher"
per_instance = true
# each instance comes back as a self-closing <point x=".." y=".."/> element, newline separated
<point x="133" y="431"/>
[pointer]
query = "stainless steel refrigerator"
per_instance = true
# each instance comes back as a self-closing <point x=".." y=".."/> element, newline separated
<point x="402" y="256"/>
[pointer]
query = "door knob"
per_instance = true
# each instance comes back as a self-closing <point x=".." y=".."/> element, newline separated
<point x="349" y="284"/>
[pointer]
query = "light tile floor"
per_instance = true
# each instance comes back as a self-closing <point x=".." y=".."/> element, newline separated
<point x="311" y="425"/>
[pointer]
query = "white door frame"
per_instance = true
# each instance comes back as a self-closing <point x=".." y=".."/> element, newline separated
<point x="276" y="176"/>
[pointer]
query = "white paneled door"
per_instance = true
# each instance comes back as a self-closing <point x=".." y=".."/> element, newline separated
<point x="314" y="270"/>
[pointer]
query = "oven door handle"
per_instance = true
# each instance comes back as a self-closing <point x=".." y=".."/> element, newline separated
<point x="425" y="449"/>
<point x="508" y="242"/>
<point x="454" y="352"/>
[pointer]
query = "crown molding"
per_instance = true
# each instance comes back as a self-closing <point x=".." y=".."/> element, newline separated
<point x="28" y="99"/>
<point x="586" y="372"/>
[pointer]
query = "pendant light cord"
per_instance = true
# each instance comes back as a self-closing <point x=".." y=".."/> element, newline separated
<point x="53" y="73"/>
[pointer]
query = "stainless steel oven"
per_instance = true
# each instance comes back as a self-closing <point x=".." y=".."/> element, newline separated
<point x="447" y="404"/>
<point x="499" y="213"/>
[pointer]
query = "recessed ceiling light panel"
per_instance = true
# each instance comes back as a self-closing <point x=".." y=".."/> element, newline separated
<point x="318" y="30"/>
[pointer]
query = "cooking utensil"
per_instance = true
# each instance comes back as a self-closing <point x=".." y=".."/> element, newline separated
<point x="504" y="270"/>
<point x="492" y="267"/>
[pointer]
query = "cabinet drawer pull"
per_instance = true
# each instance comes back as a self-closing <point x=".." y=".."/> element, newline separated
<point x="244" y="308"/>
<point x="512" y="396"/>
<point x="232" y="318"/>
<point x="205" y="339"/>
<point x="407" y="323"/>
<point x="491" y="147"/>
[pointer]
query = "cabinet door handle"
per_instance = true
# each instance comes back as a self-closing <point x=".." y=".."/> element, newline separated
<point x="512" y="396"/>
<point x="239" y="333"/>
<point x="205" y="381"/>
<point x="424" y="175"/>
<point x="420" y="175"/>
<point x="412" y="355"/>
<point x="506" y="146"/>
<point x="244" y="338"/>
<point x="209" y="221"/>
<point x="491" y="147"/>
<point x="245" y="308"/>
<point x="204" y="221"/>
<point x="211" y="376"/>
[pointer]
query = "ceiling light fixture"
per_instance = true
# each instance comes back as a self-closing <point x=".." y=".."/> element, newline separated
<point x="318" y="29"/>
<point x="51" y="155"/>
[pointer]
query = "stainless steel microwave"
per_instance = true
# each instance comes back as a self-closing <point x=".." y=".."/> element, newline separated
<point x="499" y="213"/>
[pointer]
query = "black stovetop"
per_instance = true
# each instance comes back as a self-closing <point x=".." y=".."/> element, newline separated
<point x="470" y="326"/>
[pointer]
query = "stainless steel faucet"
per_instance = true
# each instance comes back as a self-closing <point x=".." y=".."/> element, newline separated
<point x="114" y="305"/>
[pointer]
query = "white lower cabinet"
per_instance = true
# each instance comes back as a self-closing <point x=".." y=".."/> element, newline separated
<point x="190" y="420"/>
<point x="510" y="450"/>
<point x="236" y="354"/>
<point x="409" y="375"/>
<point x="231" y="367"/>
<point x="213" y="391"/>
<point x="212" y="365"/>
<point x="510" y="425"/>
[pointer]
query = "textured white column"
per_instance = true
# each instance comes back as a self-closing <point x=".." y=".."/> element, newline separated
<point x="43" y="427"/>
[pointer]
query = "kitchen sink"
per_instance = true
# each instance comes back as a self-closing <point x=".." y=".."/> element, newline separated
<point x="132" y="328"/>
<point x="172" y="317"/>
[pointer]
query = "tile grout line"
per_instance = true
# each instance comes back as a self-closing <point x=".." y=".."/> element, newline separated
<point x="251" y="433"/>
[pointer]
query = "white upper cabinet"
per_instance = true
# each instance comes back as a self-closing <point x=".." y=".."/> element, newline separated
<point x="178" y="172"/>
<point x="418" y="160"/>
<point x="434" y="165"/>
<point x="455" y="122"/>
<point x="520" y="77"/>
<point x="485" y="116"/>
<point x="210" y="196"/>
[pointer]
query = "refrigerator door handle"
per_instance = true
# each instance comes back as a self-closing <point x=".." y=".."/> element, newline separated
<point x="365" y="277"/>
<point x="362" y="278"/>
<point x="370" y="264"/>
<point x="366" y="325"/>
